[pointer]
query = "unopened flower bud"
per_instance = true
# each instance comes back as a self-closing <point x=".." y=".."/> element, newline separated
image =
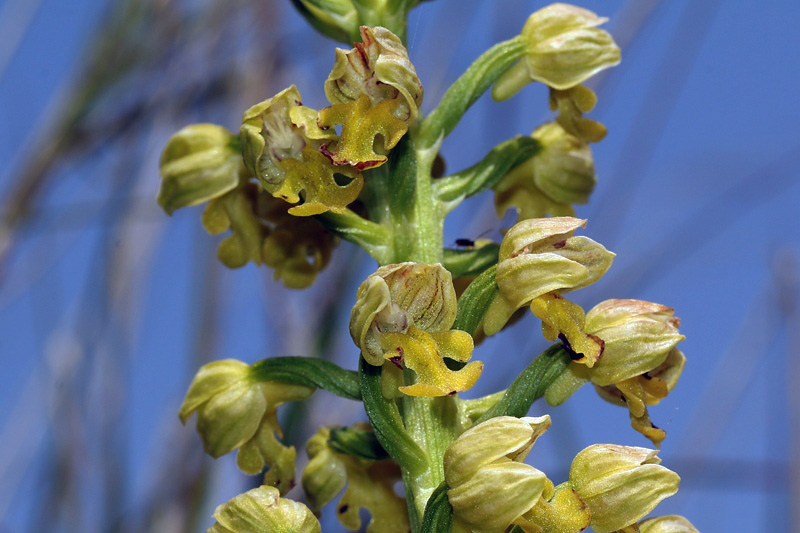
<point x="262" y="510"/>
<point x="563" y="48"/>
<point x="489" y="486"/>
<point x="199" y="163"/>
<point x="538" y="256"/>
<point x="620" y="484"/>
<point x="667" y="524"/>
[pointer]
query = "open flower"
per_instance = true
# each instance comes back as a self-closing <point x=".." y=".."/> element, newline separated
<point x="235" y="411"/>
<point x="542" y="255"/>
<point x="403" y="314"/>
<point x="640" y="363"/>
<point x="281" y="144"/>
<point x="489" y="486"/>
<point x="564" y="47"/>
<point x="375" y="95"/>
<point x="262" y="510"/>
<point x="560" y="174"/>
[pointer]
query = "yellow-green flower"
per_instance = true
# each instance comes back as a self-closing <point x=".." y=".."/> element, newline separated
<point x="559" y="510"/>
<point x="199" y="163"/>
<point x="489" y="486"/>
<point x="375" y="93"/>
<point x="263" y="231"/>
<point x="564" y="320"/>
<point x="281" y="145"/>
<point x="262" y="510"/>
<point x="620" y="484"/>
<point x="564" y="47"/>
<point x="560" y="174"/>
<point x="571" y="104"/>
<point x="640" y="364"/>
<point x="403" y="314"/>
<point x="235" y="411"/>
<point x="542" y="255"/>
<point x="370" y="486"/>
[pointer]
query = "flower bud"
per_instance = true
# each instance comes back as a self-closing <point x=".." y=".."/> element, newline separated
<point x="370" y="485"/>
<point x="564" y="47"/>
<point x="375" y="94"/>
<point x="233" y="411"/>
<point x="199" y="163"/>
<point x="667" y="524"/>
<point x="262" y="510"/>
<point x="489" y="486"/>
<point x="538" y="256"/>
<point x="620" y="484"/>
<point x="280" y="146"/>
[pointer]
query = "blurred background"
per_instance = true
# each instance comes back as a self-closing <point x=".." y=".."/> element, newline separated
<point x="108" y="306"/>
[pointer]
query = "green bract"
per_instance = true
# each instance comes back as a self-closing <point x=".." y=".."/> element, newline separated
<point x="199" y="163"/>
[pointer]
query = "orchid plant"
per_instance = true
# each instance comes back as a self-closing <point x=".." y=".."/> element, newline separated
<point x="296" y="180"/>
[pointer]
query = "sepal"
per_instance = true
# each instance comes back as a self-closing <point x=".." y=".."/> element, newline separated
<point x="262" y="510"/>
<point x="200" y="162"/>
<point x="620" y="484"/>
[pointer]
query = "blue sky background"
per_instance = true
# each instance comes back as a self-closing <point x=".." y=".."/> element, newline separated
<point x="107" y="305"/>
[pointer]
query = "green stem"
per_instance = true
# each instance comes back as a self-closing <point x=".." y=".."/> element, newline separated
<point x="467" y="89"/>
<point x="433" y="423"/>
<point x="452" y="190"/>
<point x="373" y="238"/>
<point x="531" y="384"/>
